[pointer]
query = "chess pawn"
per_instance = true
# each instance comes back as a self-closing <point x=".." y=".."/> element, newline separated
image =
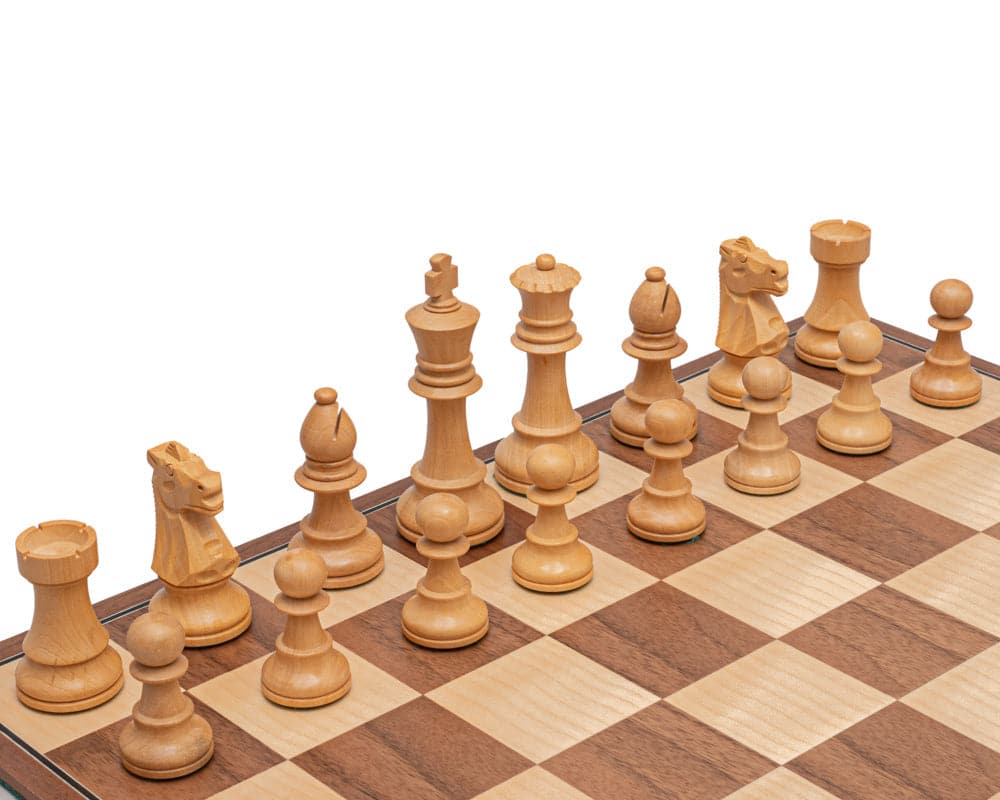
<point x="546" y="333"/>
<point x="552" y="558"/>
<point x="444" y="613"/>
<point x="946" y="378"/>
<point x="165" y="738"/>
<point x="666" y="510"/>
<point x="305" y="671"/>
<point x="334" y="529"/>
<point x="840" y="248"/>
<point x="68" y="664"/>
<point x="854" y="423"/>
<point x="762" y="463"/>
<point x="654" y="312"/>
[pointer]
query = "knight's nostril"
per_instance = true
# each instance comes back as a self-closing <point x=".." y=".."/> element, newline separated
<point x="201" y="487"/>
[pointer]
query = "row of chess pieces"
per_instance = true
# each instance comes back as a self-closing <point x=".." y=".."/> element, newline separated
<point x="449" y="506"/>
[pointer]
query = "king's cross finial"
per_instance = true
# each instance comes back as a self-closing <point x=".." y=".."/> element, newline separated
<point x="441" y="280"/>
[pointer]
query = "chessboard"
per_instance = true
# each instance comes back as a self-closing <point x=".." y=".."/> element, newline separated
<point x="837" y="641"/>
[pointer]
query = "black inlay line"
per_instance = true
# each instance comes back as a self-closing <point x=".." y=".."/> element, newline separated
<point x="48" y="763"/>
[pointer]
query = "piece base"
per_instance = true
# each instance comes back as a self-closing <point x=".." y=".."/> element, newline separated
<point x="763" y="490"/>
<point x="306" y="702"/>
<point x="652" y="536"/>
<point x="861" y="450"/>
<point x="446" y="644"/>
<point x="552" y="588"/>
<point x="208" y="639"/>
<point x="519" y="487"/>
<point x="477" y="538"/>
<point x="816" y="361"/>
<point x="357" y="578"/>
<point x="960" y="402"/>
<point x="166" y="774"/>
<point x="72" y="705"/>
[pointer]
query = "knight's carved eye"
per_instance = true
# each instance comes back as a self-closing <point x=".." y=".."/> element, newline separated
<point x="201" y="487"/>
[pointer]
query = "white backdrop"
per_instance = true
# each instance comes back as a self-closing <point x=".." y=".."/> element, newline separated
<point x="207" y="210"/>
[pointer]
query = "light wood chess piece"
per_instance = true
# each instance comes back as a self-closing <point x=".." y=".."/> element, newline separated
<point x="192" y="555"/>
<point x="654" y="311"/>
<point x="750" y="324"/>
<point x="445" y="377"/>
<point x="68" y="664"/>
<point x="165" y="738"/>
<point x="840" y="248"/>
<point x="762" y="463"/>
<point x="666" y="510"/>
<point x="444" y="613"/>
<point x="305" y="671"/>
<point x="855" y="423"/>
<point x="546" y="333"/>
<point x="552" y="558"/>
<point x="334" y="529"/>
<point x="946" y="378"/>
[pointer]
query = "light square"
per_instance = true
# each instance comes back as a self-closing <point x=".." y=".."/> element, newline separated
<point x="966" y="698"/>
<point x="818" y="484"/>
<point x="963" y="581"/>
<point x="616" y="479"/>
<point x="894" y="393"/>
<point x="956" y="479"/>
<point x="533" y="784"/>
<point x="46" y="732"/>
<point x="279" y="781"/>
<point x="542" y="698"/>
<point x="781" y="783"/>
<point x="613" y="579"/>
<point x="771" y="583"/>
<point x="779" y="701"/>
<point x="807" y="395"/>
<point x="399" y="576"/>
<point x="237" y="696"/>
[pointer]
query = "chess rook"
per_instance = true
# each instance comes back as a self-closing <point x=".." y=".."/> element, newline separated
<point x="68" y="664"/>
<point x="165" y="738"/>
<point x="855" y="423"/>
<point x="304" y="671"/>
<point x="552" y="558"/>
<point x="192" y="555"/>
<point x="654" y="312"/>
<point x="334" y="529"/>
<point x="666" y="510"/>
<point x="840" y="248"/>
<point x="546" y="332"/>
<point x="750" y="324"/>
<point x="946" y="378"/>
<point x="762" y="463"/>
<point x="444" y="613"/>
<point x="445" y="377"/>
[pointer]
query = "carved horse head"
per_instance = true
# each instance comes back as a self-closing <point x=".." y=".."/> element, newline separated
<point x="182" y="482"/>
<point x="746" y="268"/>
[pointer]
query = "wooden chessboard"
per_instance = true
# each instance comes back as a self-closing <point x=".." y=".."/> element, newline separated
<point x="839" y="641"/>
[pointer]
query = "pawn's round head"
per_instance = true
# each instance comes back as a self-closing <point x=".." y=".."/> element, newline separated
<point x="860" y="341"/>
<point x="300" y="573"/>
<point x="155" y="639"/>
<point x="951" y="298"/>
<point x="669" y="421"/>
<point x="550" y="466"/>
<point x="442" y="516"/>
<point x="765" y="377"/>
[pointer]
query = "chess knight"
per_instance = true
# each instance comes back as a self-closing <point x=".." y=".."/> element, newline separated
<point x="750" y="324"/>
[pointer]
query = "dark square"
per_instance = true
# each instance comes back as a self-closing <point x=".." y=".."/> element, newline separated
<point x="873" y="531"/>
<point x="890" y="641"/>
<point x="605" y="528"/>
<point x="662" y="638"/>
<point x="418" y="751"/>
<point x="95" y="761"/>
<point x="986" y="436"/>
<point x="894" y="357"/>
<point x="900" y="753"/>
<point x="659" y="752"/>
<point x="376" y="635"/>
<point x="909" y="439"/>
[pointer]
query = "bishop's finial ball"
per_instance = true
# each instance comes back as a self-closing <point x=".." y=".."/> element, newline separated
<point x="155" y="639"/>
<point x="545" y="262"/>
<point x="860" y="341"/>
<point x="951" y="298"/>
<point x="765" y="377"/>
<point x="300" y="573"/>
<point x="325" y="396"/>
<point x="550" y="466"/>
<point x="669" y="421"/>
<point x="655" y="274"/>
<point x="442" y="516"/>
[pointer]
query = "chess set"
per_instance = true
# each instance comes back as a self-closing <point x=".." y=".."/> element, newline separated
<point x="773" y="572"/>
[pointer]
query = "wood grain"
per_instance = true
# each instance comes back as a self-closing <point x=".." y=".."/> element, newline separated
<point x="536" y="784"/>
<point x="780" y="783"/>
<point x="276" y="782"/>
